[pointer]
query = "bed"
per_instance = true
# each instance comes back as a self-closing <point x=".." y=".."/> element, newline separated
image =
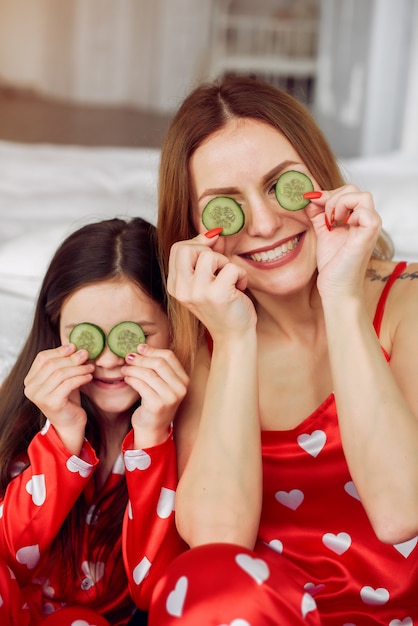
<point x="47" y="191"/>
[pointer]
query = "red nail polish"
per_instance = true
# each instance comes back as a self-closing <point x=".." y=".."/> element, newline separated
<point x="327" y="224"/>
<point x="347" y="217"/>
<point x="312" y="195"/>
<point x="212" y="233"/>
<point x="130" y="357"/>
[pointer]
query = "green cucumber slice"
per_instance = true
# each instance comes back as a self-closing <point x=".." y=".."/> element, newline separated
<point x="88" y="337"/>
<point x="125" y="337"/>
<point x="223" y="212"/>
<point x="290" y="188"/>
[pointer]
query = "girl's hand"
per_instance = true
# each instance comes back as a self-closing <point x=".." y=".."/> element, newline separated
<point x="53" y="383"/>
<point x="203" y="279"/>
<point x="158" y="377"/>
<point x="347" y="228"/>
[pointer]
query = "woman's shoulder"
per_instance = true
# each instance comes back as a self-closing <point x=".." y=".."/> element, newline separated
<point x="393" y="277"/>
<point x="392" y="292"/>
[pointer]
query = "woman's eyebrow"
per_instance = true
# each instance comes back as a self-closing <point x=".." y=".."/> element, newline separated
<point x="228" y="191"/>
<point x="278" y="169"/>
<point x="219" y="191"/>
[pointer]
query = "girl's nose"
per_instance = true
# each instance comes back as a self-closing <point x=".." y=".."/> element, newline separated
<point x="108" y="359"/>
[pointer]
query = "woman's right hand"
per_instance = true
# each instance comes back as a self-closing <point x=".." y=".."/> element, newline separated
<point x="53" y="384"/>
<point x="203" y="280"/>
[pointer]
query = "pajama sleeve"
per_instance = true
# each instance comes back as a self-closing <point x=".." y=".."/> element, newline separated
<point x="150" y="539"/>
<point x="38" y="500"/>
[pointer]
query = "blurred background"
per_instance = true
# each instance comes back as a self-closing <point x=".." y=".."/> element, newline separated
<point x="88" y="88"/>
<point x="112" y="72"/>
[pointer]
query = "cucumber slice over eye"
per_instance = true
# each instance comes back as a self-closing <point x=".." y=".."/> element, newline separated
<point x="125" y="337"/>
<point x="290" y="188"/>
<point x="88" y="337"/>
<point x="223" y="212"/>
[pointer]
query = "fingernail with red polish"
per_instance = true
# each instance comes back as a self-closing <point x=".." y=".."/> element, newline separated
<point x="312" y="195"/>
<point x="327" y="224"/>
<point x="212" y="233"/>
<point x="130" y="357"/>
<point x="347" y="217"/>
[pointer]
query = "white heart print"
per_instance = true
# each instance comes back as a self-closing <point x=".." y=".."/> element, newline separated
<point x="81" y="622"/>
<point x="350" y="488"/>
<point x="78" y="466"/>
<point x="292" y="499"/>
<point x="308" y="604"/>
<point x="256" y="568"/>
<point x="37" y="489"/>
<point x="402" y="622"/>
<point x="372" y="596"/>
<point x="137" y="459"/>
<point x="176" y="598"/>
<point x="165" y="504"/>
<point x="29" y="556"/>
<point x="313" y="589"/>
<point x="141" y="570"/>
<point x="337" y="543"/>
<point x="406" y="547"/>
<point x="277" y="545"/>
<point x="313" y="443"/>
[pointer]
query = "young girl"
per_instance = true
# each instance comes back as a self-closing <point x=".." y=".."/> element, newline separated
<point x="77" y="436"/>
<point x="298" y="437"/>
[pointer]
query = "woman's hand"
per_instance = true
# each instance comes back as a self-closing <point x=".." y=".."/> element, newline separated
<point x="203" y="279"/>
<point x="53" y="384"/>
<point x="347" y="227"/>
<point x="158" y="377"/>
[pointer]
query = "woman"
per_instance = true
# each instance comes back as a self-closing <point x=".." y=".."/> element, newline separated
<point x="297" y="440"/>
<point x="79" y="431"/>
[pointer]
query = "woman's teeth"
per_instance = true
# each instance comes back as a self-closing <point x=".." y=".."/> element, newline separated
<point x="276" y="253"/>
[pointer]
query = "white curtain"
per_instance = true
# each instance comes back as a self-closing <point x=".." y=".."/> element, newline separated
<point x="144" y="53"/>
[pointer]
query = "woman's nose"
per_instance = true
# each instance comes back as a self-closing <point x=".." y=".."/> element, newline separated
<point x="264" y="217"/>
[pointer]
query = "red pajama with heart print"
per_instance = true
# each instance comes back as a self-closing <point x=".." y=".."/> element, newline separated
<point x="317" y="559"/>
<point x="33" y="588"/>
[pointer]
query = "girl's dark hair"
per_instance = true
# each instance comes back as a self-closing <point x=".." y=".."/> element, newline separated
<point x="113" y="249"/>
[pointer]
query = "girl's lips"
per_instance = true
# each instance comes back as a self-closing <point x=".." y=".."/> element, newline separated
<point x="109" y="383"/>
<point x="276" y="253"/>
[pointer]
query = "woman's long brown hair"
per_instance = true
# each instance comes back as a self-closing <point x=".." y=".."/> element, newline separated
<point x="205" y="111"/>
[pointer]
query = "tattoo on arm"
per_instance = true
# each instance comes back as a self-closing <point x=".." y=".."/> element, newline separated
<point x="373" y="275"/>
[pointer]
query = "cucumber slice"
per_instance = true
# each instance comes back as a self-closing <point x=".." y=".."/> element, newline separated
<point x="289" y="189"/>
<point x="125" y="337"/>
<point x="88" y="337"/>
<point x="223" y="212"/>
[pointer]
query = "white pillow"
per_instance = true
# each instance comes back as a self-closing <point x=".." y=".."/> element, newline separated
<point x="24" y="260"/>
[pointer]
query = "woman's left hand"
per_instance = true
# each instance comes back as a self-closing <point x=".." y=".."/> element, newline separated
<point x="160" y="380"/>
<point x="347" y="228"/>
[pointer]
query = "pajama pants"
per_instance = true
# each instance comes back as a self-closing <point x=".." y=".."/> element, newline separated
<point x="227" y="585"/>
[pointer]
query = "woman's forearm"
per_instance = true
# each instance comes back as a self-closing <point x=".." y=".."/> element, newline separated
<point x="219" y="495"/>
<point x="379" y="430"/>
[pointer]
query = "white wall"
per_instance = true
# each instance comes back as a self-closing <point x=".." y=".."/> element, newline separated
<point x="365" y="52"/>
<point x="124" y="52"/>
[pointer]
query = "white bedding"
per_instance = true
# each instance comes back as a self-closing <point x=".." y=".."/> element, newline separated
<point x="48" y="191"/>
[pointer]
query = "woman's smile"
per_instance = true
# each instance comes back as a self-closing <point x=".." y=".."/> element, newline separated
<point x="272" y="256"/>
